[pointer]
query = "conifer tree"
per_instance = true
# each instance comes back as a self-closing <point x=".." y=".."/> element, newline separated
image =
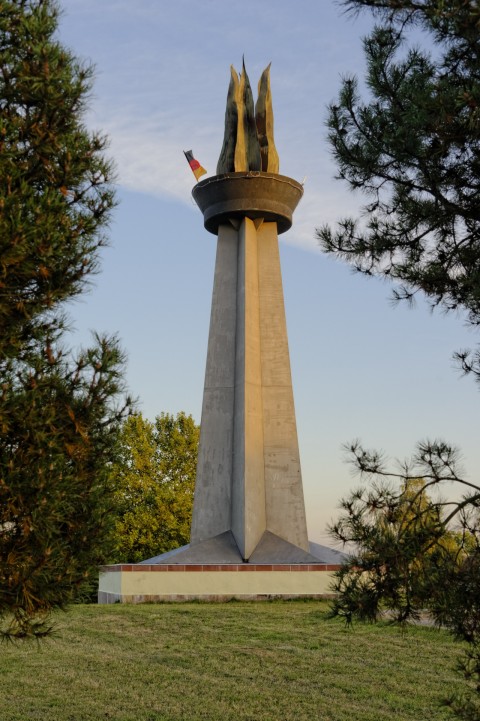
<point x="410" y="549"/>
<point x="413" y="148"/>
<point x="59" y="412"/>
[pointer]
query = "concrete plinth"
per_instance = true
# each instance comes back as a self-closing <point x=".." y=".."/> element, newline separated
<point x="137" y="583"/>
<point x="182" y="575"/>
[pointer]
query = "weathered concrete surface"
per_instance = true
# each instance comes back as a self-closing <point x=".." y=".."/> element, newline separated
<point x="212" y="514"/>
<point x="219" y="549"/>
<point x="271" y="549"/>
<point x="248" y="476"/>
<point x="248" y="482"/>
<point x="283" y="479"/>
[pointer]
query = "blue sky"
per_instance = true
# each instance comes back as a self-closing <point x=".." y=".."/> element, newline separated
<point x="361" y="368"/>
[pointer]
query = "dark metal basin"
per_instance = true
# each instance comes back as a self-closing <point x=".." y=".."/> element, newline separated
<point x="247" y="195"/>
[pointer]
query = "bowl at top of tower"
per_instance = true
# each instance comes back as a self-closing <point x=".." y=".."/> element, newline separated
<point x="230" y="197"/>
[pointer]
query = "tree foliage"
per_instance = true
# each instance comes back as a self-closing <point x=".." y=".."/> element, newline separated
<point x="59" y="412"/>
<point x="155" y="481"/>
<point x="412" y="550"/>
<point x="413" y="148"/>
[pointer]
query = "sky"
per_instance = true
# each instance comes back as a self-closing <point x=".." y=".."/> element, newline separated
<point x="362" y="367"/>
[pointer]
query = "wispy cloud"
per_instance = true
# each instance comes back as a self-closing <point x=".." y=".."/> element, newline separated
<point x="161" y="89"/>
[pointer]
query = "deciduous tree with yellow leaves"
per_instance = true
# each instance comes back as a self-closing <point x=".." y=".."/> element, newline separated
<point x="155" y="480"/>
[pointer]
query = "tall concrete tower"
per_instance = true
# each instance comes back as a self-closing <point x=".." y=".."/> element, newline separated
<point x="248" y="477"/>
<point x="248" y="490"/>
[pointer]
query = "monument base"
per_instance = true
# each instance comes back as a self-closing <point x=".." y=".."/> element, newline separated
<point x="139" y="583"/>
<point x="212" y="570"/>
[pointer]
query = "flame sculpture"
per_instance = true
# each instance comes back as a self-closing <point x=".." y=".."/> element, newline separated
<point x="248" y="143"/>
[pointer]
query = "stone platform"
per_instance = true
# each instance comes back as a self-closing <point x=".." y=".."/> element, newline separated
<point x="180" y="575"/>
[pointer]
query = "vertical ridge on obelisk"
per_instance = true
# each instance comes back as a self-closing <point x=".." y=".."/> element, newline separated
<point x="248" y="480"/>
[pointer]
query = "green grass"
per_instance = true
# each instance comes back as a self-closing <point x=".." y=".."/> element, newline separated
<point x="279" y="661"/>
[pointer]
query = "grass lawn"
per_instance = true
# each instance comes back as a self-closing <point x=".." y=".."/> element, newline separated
<point x="278" y="661"/>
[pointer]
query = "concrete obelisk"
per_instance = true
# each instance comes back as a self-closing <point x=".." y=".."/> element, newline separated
<point x="249" y="480"/>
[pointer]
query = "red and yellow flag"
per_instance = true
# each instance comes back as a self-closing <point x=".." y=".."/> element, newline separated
<point x="197" y="169"/>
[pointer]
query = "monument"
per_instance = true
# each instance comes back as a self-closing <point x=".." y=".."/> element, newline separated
<point x="248" y="478"/>
<point x="249" y="511"/>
